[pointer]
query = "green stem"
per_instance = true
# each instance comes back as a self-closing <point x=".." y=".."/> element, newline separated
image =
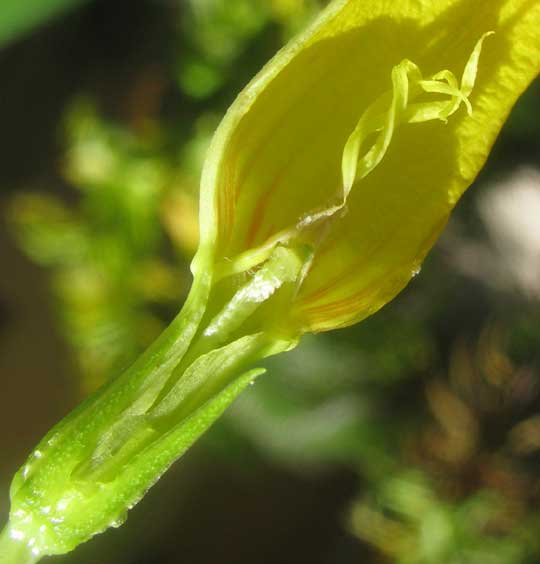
<point x="13" y="551"/>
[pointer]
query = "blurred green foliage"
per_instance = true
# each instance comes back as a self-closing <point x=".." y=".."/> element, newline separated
<point x="110" y="262"/>
<point x="433" y="403"/>
<point x="218" y="33"/>
<point x="21" y="16"/>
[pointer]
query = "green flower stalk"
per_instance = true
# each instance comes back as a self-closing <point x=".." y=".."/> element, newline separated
<point x="326" y="184"/>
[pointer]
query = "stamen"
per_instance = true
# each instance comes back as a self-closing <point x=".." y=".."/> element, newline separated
<point x="383" y="117"/>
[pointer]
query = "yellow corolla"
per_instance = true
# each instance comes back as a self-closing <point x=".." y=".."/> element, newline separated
<point x="357" y="140"/>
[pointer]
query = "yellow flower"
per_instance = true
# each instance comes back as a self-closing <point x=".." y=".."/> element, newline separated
<point x="340" y="144"/>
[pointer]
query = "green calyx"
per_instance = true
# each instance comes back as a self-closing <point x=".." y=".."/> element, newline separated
<point x="95" y="465"/>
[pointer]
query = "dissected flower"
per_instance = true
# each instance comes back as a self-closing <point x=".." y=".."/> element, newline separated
<point x="326" y="184"/>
